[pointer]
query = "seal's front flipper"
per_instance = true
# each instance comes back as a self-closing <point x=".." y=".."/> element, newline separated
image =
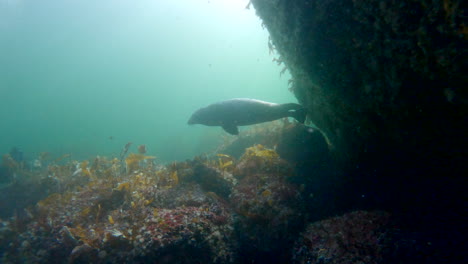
<point x="231" y="129"/>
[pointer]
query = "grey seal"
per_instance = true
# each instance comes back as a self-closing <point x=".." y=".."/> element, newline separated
<point x="236" y="112"/>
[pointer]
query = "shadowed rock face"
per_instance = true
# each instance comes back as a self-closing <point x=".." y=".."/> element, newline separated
<point x="386" y="82"/>
<point x="376" y="76"/>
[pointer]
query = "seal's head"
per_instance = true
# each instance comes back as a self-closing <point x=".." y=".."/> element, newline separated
<point x="192" y="121"/>
<point x="195" y="118"/>
<point x="205" y="116"/>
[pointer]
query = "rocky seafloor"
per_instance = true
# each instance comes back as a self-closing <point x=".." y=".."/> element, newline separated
<point x="252" y="207"/>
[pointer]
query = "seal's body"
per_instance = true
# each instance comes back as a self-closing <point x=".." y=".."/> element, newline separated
<point x="244" y="111"/>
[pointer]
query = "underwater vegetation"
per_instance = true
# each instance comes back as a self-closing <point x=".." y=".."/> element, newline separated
<point x="269" y="207"/>
<point x="105" y="213"/>
<point x="267" y="134"/>
<point x="216" y="208"/>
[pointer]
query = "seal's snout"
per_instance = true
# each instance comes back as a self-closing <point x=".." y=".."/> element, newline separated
<point x="195" y="118"/>
<point x="192" y="120"/>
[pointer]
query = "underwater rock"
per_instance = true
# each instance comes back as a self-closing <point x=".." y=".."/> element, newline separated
<point x="182" y="195"/>
<point x="386" y="83"/>
<point x="19" y="195"/>
<point x="270" y="209"/>
<point x="5" y="176"/>
<point x="67" y="237"/>
<point x="213" y="180"/>
<point x="186" y="234"/>
<point x="363" y="237"/>
<point x="115" y="199"/>
<point x="115" y="240"/>
<point x="301" y="144"/>
<point x="6" y="236"/>
<point x="187" y="224"/>
<point x="295" y="142"/>
<point x="259" y="159"/>
<point x="357" y="237"/>
<point x="83" y="254"/>
<point x="306" y="149"/>
<point x="375" y="73"/>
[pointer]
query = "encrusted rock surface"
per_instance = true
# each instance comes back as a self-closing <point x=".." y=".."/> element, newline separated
<point x="377" y="75"/>
<point x="386" y="82"/>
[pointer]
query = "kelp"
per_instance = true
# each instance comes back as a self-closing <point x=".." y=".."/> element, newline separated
<point x="133" y="160"/>
<point x="112" y="170"/>
<point x="100" y="204"/>
<point x="257" y="159"/>
<point x="86" y="236"/>
<point x="170" y="178"/>
<point x="174" y="178"/>
<point x="50" y="202"/>
<point x="124" y="186"/>
<point x="62" y="157"/>
<point x="260" y="151"/>
<point x="225" y="162"/>
<point x="84" y="168"/>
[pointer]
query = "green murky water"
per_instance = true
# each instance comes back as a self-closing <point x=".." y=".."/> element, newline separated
<point x="86" y="77"/>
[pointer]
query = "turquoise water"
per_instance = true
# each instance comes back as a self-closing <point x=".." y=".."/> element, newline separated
<point x="86" y="77"/>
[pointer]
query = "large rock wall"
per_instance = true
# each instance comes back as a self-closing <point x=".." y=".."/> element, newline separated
<point x="382" y="79"/>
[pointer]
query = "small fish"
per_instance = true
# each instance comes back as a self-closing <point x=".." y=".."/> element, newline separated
<point x="244" y="111"/>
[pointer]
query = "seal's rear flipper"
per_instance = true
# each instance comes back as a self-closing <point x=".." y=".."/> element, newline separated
<point x="299" y="115"/>
<point x="231" y="129"/>
<point x="295" y="111"/>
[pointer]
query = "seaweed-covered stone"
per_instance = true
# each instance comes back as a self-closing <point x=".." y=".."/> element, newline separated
<point x="269" y="207"/>
<point x="357" y="237"/>
<point x="214" y="179"/>
<point x="365" y="237"/>
<point x="130" y="219"/>
<point x="184" y="235"/>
